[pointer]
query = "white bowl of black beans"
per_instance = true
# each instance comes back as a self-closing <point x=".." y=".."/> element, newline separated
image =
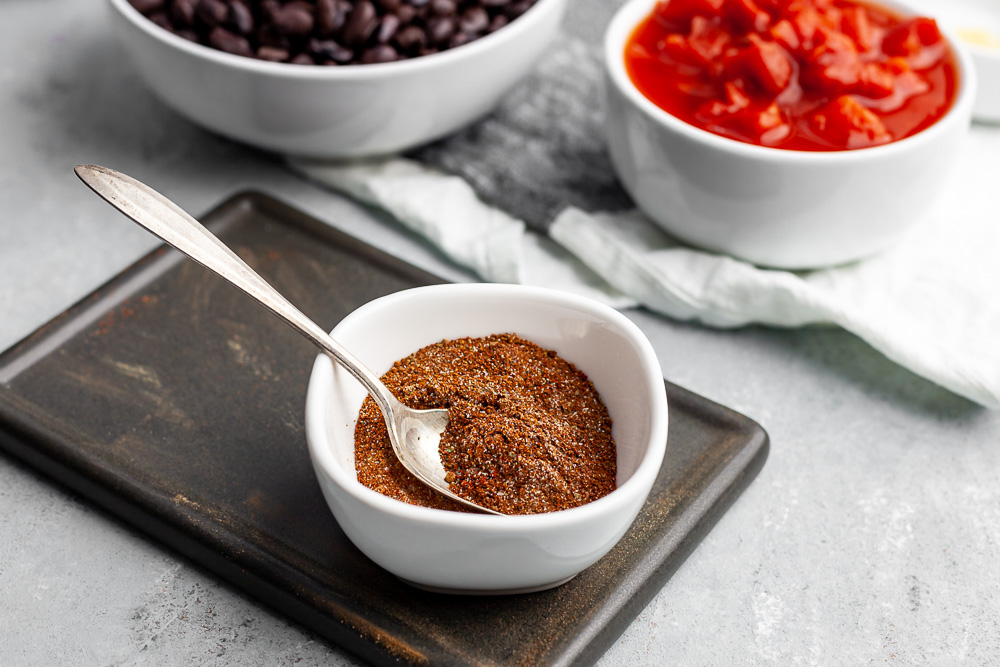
<point x="461" y="552"/>
<point x="334" y="79"/>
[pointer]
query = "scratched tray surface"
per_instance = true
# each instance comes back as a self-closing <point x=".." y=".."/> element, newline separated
<point x="176" y="403"/>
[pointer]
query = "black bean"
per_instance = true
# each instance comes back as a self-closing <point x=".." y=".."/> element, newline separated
<point x="239" y="18"/>
<point x="497" y="22"/>
<point x="182" y="13"/>
<point x="460" y="39"/>
<point x="222" y="39"/>
<point x="387" y="28"/>
<point x="411" y="38"/>
<point x="302" y="59"/>
<point x="406" y="14"/>
<point x="440" y="29"/>
<point x="444" y="7"/>
<point x="211" y="12"/>
<point x="360" y="24"/>
<point x="330" y="16"/>
<point x="493" y="3"/>
<point x="388" y="6"/>
<point x="268" y="8"/>
<point x="380" y="53"/>
<point x="515" y="9"/>
<point x="161" y="19"/>
<point x="147" y="7"/>
<point x="474" y="20"/>
<point x="269" y="35"/>
<point x="272" y="53"/>
<point x="294" y="20"/>
<point x="328" y="49"/>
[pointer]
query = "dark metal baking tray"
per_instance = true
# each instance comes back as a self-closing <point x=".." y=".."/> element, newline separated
<point x="171" y="400"/>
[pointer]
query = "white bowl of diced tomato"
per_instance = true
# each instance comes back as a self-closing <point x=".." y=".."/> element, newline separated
<point x="788" y="133"/>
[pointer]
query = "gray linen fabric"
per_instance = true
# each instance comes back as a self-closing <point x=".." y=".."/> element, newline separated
<point x="543" y="148"/>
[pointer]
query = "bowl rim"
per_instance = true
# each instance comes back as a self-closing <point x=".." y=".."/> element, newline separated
<point x="636" y="487"/>
<point x="367" y="72"/>
<point x="628" y="17"/>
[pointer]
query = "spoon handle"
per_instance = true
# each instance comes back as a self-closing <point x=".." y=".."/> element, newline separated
<point x="169" y="222"/>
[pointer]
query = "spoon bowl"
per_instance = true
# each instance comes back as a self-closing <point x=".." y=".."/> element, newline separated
<point x="414" y="434"/>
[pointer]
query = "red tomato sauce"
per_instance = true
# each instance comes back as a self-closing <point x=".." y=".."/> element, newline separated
<point x="808" y="75"/>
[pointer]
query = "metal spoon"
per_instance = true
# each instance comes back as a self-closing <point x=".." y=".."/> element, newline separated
<point x="415" y="434"/>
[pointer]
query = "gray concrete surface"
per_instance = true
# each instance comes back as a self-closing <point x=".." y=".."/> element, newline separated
<point x="871" y="536"/>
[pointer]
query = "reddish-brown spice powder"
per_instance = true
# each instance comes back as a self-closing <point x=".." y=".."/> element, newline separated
<point x="527" y="431"/>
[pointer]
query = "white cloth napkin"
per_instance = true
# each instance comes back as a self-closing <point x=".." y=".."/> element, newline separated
<point x="931" y="303"/>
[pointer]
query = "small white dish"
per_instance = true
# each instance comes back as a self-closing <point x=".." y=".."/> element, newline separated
<point x="478" y="553"/>
<point x="335" y="112"/>
<point x="777" y="208"/>
<point x="977" y="24"/>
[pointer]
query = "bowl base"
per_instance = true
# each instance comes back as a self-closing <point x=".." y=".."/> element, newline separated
<point x="499" y="591"/>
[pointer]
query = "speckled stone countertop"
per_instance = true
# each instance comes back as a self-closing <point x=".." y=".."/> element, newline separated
<point x="872" y="535"/>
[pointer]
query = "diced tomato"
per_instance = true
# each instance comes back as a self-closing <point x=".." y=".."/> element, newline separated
<point x="906" y="84"/>
<point x="707" y="39"/>
<point x="766" y="120"/>
<point x="766" y="63"/>
<point x="857" y="26"/>
<point x="806" y="22"/>
<point x="769" y="118"/>
<point x="897" y="65"/>
<point x="918" y="40"/>
<point x="910" y="84"/>
<point x="833" y="65"/>
<point x="677" y="14"/>
<point x="737" y="98"/>
<point x="876" y="80"/>
<point x="783" y="32"/>
<point x="748" y="16"/>
<point x="768" y="124"/>
<point x="832" y="16"/>
<point x="736" y="101"/>
<point x="771" y="126"/>
<point x="910" y="36"/>
<point x="845" y="122"/>
<point x="674" y="48"/>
